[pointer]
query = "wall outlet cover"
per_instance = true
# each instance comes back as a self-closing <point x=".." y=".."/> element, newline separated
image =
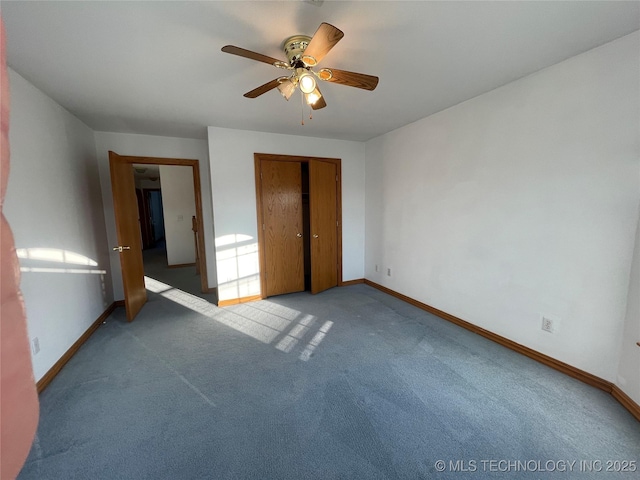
<point x="35" y="345"/>
<point x="548" y="323"/>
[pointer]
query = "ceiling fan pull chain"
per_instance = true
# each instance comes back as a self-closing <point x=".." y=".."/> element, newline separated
<point x="301" y="108"/>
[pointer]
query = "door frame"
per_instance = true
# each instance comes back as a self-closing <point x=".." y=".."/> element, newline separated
<point x="195" y="165"/>
<point x="258" y="157"/>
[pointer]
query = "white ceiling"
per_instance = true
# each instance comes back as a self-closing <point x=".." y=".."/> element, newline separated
<point x="156" y="67"/>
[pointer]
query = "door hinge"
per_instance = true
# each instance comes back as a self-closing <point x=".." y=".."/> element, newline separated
<point x="260" y="175"/>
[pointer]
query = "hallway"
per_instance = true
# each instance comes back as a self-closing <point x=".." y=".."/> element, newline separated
<point x="182" y="278"/>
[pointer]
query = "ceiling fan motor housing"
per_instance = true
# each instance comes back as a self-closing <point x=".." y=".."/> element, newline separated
<point x="294" y="47"/>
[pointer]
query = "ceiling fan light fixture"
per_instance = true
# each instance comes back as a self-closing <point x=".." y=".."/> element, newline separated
<point x="307" y="83"/>
<point x="303" y="54"/>
<point x="286" y="88"/>
<point x="313" y="97"/>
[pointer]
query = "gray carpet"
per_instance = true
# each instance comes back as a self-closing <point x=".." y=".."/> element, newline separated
<point x="347" y="384"/>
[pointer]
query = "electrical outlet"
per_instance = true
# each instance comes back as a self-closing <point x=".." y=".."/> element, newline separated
<point x="547" y="324"/>
<point x="35" y="345"/>
<point x="388" y="272"/>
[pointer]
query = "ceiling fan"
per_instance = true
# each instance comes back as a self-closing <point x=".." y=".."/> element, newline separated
<point x="304" y="53"/>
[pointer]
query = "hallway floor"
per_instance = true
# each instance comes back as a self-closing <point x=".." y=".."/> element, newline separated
<point x="182" y="278"/>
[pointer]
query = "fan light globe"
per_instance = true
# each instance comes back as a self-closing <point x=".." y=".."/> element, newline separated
<point x="307" y="83"/>
<point x="286" y="88"/>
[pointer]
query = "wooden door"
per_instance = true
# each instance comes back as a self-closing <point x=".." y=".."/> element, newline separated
<point x="281" y="185"/>
<point x="323" y="206"/>
<point x="128" y="230"/>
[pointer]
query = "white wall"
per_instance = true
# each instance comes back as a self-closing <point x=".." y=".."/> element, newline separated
<point x="234" y="201"/>
<point x="179" y="205"/>
<point x="520" y="202"/>
<point x="55" y="210"/>
<point x="628" y="378"/>
<point x="153" y="146"/>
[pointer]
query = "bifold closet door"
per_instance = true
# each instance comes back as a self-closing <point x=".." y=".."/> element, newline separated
<point x="323" y="194"/>
<point x="282" y="226"/>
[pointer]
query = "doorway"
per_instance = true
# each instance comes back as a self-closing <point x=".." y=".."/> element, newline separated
<point x="151" y="215"/>
<point x="130" y="230"/>
<point x="156" y="215"/>
<point x="166" y="200"/>
<point x="299" y="223"/>
<point x="150" y="209"/>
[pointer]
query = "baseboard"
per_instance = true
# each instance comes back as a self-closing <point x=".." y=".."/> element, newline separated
<point x="180" y="265"/>
<point x="626" y="401"/>
<point x="119" y="303"/>
<point x="351" y="282"/>
<point x="236" y="301"/>
<point x="565" y="368"/>
<point x="53" y="371"/>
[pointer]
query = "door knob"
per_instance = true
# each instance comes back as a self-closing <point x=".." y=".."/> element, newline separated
<point x="299" y="235"/>
<point x="121" y="248"/>
<point x="315" y="236"/>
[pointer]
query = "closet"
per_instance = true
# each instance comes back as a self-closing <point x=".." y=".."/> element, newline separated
<point x="299" y="223"/>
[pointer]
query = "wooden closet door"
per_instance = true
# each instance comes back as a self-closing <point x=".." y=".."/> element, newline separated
<point x="282" y="227"/>
<point x="323" y="194"/>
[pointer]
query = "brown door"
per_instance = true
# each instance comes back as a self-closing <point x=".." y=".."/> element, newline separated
<point x="323" y="182"/>
<point x="282" y="226"/>
<point x="125" y="210"/>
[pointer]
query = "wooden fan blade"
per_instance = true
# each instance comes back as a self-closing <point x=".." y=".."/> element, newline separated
<point x="323" y="40"/>
<point x="320" y="103"/>
<point x="256" y="92"/>
<point x="352" y="79"/>
<point x="241" y="52"/>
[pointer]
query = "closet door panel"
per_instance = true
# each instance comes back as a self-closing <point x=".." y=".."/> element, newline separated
<point x="282" y="216"/>
<point x="324" y="230"/>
